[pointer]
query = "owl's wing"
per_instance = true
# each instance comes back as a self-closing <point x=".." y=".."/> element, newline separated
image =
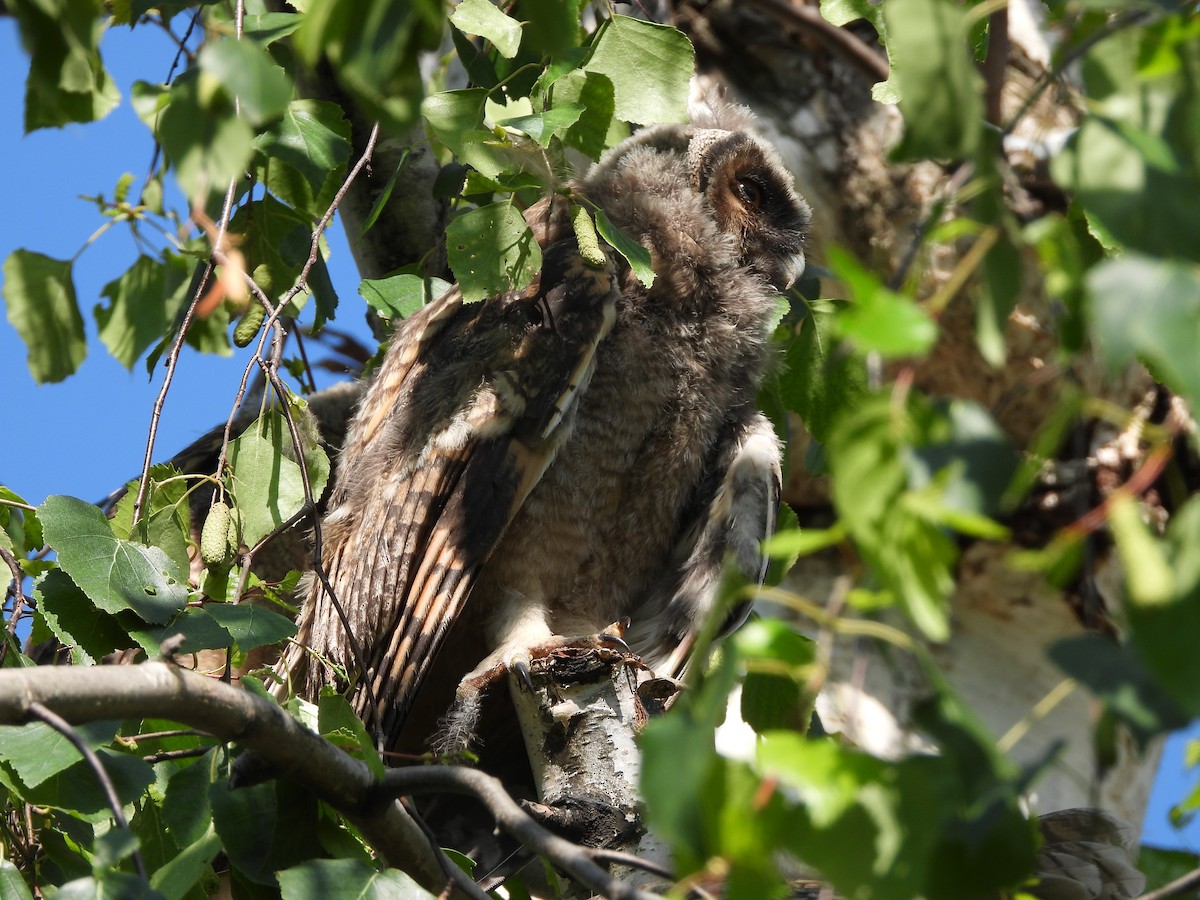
<point x="740" y="514"/>
<point x="465" y="415"/>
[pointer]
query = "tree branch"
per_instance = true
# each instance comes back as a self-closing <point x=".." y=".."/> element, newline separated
<point x="163" y="691"/>
<point x="572" y="858"/>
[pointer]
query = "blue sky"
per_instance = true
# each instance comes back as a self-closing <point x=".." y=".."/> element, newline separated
<point x="86" y="436"/>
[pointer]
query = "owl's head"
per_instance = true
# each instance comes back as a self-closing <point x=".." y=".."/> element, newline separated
<point x="752" y="197"/>
<point x="738" y="188"/>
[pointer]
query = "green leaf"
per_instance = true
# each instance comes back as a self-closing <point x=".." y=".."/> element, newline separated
<point x="113" y="846"/>
<point x="67" y="81"/>
<point x="543" y="127"/>
<point x="940" y="88"/>
<point x="974" y="456"/>
<point x="635" y="254"/>
<point x="492" y="250"/>
<point x="76" y="790"/>
<point x="880" y="320"/>
<point x="908" y="552"/>
<point x="777" y="658"/>
<point x="820" y="378"/>
<point x="265" y="828"/>
<point x="479" y="17"/>
<point x="40" y="295"/>
<point x="399" y="296"/>
<point x="244" y="69"/>
<point x="166" y="520"/>
<point x="19" y="528"/>
<point x="88" y="634"/>
<point x="246" y="820"/>
<point x="108" y="886"/>
<point x="348" y="879"/>
<point x="267" y="28"/>
<point x="276" y="241"/>
<point x="337" y="722"/>
<point x="251" y="625"/>
<point x="374" y="47"/>
<point x="179" y="876"/>
<point x="1162" y="866"/>
<point x="1131" y="181"/>
<point x="37" y="752"/>
<point x="203" y="137"/>
<point x="115" y="574"/>
<point x="312" y="138"/>
<point x="1149" y="309"/>
<point x="594" y="94"/>
<point x="142" y="304"/>
<point x="185" y="805"/>
<point x="455" y="116"/>
<point x="1163" y="587"/>
<point x="267" y="480"/>
<point x="198" y="630"/>
<point x="998" y="292"/>
<point x="650" y="67"/>
<point x="1117" y="676"/>
<point x="551" y="27"/>
<point x="12" y="885"/>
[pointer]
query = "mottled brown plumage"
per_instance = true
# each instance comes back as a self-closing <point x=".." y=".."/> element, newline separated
<point x="544" y="463"/>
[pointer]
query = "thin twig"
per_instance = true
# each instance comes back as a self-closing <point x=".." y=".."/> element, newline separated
<point x="571" y="858"/>
<point x="1175" y="888"/>
<point x="454" y="875"/>
<point x="1124" y="20"/>
<point x="165" y="755"/>
<point x="621" y="858"/>
<point x="953" y="186"/>
<point x="809" y="19"/>
<point x="37" y="711"/>
<point x="176" y="349"/>
<point x="310" y="507"/>
<point x="18" y="598"/>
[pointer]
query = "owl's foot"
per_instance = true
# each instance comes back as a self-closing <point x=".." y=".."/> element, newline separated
<point x="458" y="727"/>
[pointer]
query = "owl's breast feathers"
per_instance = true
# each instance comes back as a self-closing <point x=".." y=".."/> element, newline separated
<point x="589" y="444"/>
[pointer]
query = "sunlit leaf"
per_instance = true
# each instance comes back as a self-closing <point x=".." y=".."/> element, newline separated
<point x="482" y="18"/>
<point x="348" y="879"/>
<point x="115" y="574"/>
<point x="650" y="67"/>
<point x="492" y="250"/>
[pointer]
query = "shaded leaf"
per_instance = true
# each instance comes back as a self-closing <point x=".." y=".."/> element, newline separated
<point x="142" y="303"/>
<point x="250" y="625"/>
<point x="67" y="80"/>
<point x="36" y="751"/>
<point x="1149" y="309"/>
<point x="940" y="88"/>
<point x="267" y="481"/>
<point x="399" y="296"/>
<point x="88" y="634"/>
<point x="39" y="294"/>
<point x="244" y="69"/>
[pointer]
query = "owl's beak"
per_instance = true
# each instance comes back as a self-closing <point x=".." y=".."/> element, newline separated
<point x="789" y="272"/>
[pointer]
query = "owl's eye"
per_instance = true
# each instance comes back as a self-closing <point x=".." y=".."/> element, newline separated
<point x="749" y="191"/>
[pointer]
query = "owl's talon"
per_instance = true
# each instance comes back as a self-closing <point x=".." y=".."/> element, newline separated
<point x="521" y="667"/>
<point x="607" y="639"/>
